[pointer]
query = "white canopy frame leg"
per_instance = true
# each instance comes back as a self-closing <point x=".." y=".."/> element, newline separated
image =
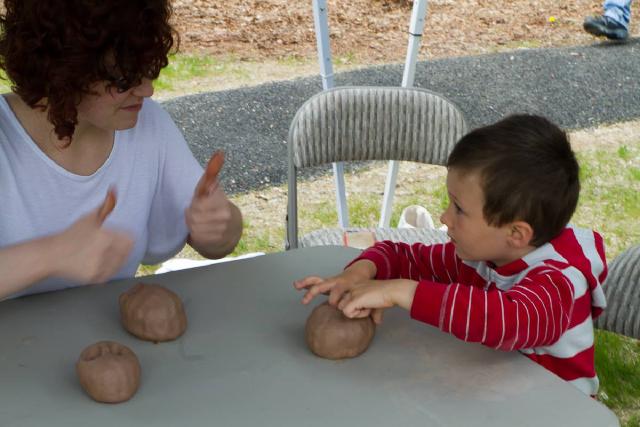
<point x="416" y="28"/>
<point x="326" y="71"/>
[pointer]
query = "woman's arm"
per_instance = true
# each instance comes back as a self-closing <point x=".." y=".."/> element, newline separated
<point x="86" y="252"/>
<point x="24" y="264"/>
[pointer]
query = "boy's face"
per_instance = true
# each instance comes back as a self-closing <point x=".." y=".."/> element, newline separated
<point x="474" y="238"/>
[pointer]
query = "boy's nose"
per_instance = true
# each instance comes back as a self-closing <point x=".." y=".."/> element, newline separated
<point x="444" y="218"/>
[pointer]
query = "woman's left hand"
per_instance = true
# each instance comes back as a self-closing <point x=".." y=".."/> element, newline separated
<point x="215" y="224"/>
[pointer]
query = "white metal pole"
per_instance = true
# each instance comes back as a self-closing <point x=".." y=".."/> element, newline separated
<point x="326" y="71"/>
<point x="416" y="27"/>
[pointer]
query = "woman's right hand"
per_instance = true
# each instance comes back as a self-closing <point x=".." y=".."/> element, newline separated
<point x="87" y="252"/>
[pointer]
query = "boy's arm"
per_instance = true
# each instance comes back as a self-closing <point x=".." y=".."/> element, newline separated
<point x="398" y="260"/>
<point x="533" y="313"/>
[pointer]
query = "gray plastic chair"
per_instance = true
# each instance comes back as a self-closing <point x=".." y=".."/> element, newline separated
<point x="622" y="290"/>
<point x="369" y="123"/>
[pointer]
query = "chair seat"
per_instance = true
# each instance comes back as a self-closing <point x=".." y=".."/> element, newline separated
<point x="335" y="236"/>
<point x="622" y="290"/>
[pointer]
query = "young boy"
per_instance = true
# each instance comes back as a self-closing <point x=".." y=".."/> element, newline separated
<point x="514" y="276"/>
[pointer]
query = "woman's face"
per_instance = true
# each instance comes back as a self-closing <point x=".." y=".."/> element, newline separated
<point x="108" y="109"/>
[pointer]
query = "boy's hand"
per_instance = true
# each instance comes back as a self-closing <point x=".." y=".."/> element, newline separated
<point x="86" y="252"/>
<point x="375" y="295"/>
<point x="213" y="221"/>
<point x="316" y="285"/>
<point x="337" y="285"/>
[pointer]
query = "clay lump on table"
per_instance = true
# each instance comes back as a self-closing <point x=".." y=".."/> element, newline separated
<point x="109" y="372"/>
<point x="152" y="313"/>
<point x="332" y="335"/>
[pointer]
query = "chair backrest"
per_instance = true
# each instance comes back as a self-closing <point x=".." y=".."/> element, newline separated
<point x="369" y="123"/>
<point x="622" y="290"/>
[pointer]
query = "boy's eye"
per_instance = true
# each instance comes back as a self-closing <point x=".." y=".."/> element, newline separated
<point x="458" y="210"/>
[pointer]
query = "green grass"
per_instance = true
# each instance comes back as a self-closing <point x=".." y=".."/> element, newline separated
<point x="337" y="60"/>
<point x="187" y="67"/>
<point x="182" y="68"/>
<point x="618" y="371"/>
<point x="292" y="60"/>
<point x="623" y="152"/>
<point x="257" y="241"/>
<point x="5" y="85"/>
<point x="610" y="195"/>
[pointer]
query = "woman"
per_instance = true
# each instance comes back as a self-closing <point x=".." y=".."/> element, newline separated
<point x="95" y="177"/>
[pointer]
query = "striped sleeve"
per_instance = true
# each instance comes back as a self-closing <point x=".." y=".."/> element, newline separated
<point x="398" y="260"/>
<point x="534" y="312"/>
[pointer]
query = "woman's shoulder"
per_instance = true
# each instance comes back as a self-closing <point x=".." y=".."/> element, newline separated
<point x="154" y="121"/>
<point x="153" y="111"/>
<point x="11" y="107"/>
<point x="155" y="132"/>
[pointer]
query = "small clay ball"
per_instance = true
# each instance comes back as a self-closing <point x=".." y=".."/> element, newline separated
<point x="109" y="372"/>
<point x="332" y="335"/>
<point x="152" y="313"/>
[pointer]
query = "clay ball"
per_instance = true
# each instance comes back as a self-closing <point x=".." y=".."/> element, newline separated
<point x="109" y="372"/>
<point x="152" y="313"/>
<point x="332" y="335"/>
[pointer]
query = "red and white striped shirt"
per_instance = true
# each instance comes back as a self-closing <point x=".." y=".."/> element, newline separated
<point x="542" y="304"/>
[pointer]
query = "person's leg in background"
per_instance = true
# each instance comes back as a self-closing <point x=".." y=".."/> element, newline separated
<point x="614" y="23"/>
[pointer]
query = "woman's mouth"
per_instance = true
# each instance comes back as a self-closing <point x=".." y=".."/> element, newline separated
<point x="133" y="108"/>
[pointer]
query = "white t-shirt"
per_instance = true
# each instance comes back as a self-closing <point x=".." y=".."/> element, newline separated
<point x="150" y="166"/>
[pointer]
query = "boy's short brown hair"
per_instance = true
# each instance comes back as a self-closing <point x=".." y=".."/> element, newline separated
<point x="528" y="173"/>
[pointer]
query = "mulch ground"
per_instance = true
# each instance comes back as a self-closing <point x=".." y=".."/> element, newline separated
<point x="376" y="30"/>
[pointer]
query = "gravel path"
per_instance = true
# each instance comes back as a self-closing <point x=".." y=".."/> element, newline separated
<point x="575" y="87"/>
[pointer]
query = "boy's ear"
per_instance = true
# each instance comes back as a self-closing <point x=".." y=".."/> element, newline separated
<point x="520" y="234"/>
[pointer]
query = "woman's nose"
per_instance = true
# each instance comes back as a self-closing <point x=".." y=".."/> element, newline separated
<point x="144" y="89"/>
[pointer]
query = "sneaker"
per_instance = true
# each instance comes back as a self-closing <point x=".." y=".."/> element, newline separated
<point x="605" y="26"/>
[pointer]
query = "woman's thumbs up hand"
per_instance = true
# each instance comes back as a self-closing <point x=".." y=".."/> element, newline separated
<point x="87" y="252"/>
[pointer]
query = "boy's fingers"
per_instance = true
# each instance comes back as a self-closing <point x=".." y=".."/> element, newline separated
<point x="344" y="300"/>
<point x="349" y="310"/>
<point x="306" y="282"/>
<point x="315" y="290"/>
<point x="337" y="294"/>
<point x="107" y="206"/>
<point x="376" y="315"/>
<point x="210" y="173"/>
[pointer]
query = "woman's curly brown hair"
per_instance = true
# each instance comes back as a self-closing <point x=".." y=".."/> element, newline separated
<point x="55" y="49"/>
